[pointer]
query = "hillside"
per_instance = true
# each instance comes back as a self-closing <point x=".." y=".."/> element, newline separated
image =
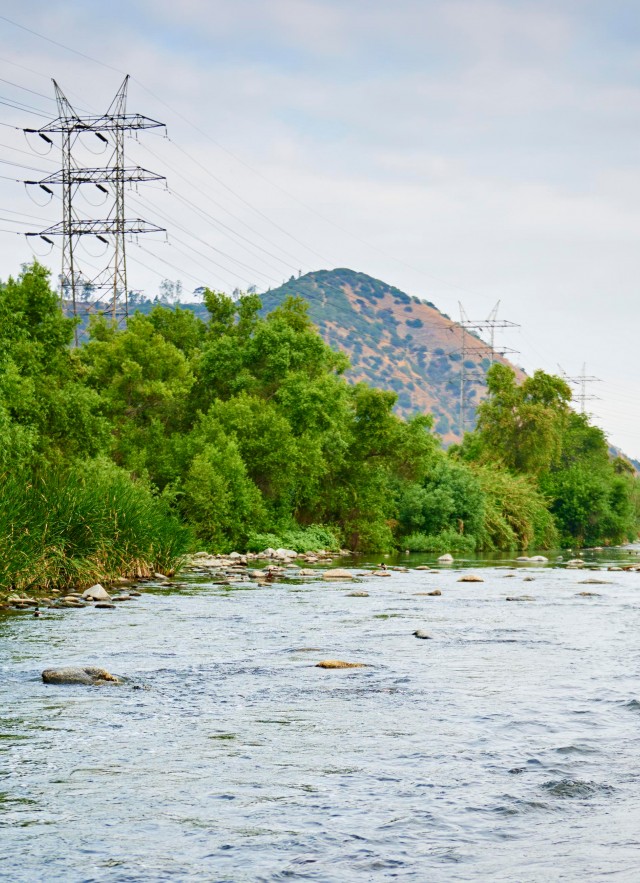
<point x="395" y="342"/>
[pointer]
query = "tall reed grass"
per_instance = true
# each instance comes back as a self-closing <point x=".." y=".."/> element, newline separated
<point x="64" y="528"/>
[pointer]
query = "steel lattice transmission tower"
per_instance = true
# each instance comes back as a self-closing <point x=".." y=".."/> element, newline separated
<point x="467" y="325"/>
<point x="106" y="289"/>
<point x="581" y="381"/>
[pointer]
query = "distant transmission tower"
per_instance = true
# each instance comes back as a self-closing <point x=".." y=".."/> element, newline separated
<point x="106" y="289"/>
<point x="581" y="382"/>
<point x="467" y="325"/>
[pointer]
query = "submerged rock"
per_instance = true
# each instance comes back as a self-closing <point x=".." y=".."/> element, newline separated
<point x="521" y="598"/>
<point x="338" y="663"/>
<point x="337" y="573"/>
<point x="358" y="595"/>
<point x="89" y="676"/>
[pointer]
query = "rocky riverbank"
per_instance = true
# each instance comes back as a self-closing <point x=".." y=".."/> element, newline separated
<point x="261" y="569"/>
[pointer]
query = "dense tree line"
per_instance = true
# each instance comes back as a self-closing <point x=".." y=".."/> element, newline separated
<point x="241" y="431"/>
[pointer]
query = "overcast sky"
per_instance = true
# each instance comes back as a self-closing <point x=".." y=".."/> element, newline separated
<point x="463" y="151"/>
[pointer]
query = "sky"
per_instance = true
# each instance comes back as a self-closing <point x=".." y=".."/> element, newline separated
<point x="465" y="151"/>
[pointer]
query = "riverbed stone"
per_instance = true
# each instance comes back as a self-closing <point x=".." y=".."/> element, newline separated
<point x="339" y="663"/>
<point x="470" y="578"/>
<point x="421" y="633"/>
<point x="104" y="605"/>
<point x="96" y="593"/>
<point x="87" y="675"/>
<point x="337" y="573"/>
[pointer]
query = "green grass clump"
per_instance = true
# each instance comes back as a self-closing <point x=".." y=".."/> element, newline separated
<point x="447" y="541"/>
<point x="300" y="539"/>
<point x="73" y="527"/>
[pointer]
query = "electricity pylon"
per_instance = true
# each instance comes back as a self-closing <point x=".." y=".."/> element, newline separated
<point x="467" y="325"/>
<point x="581" y="382"/>
<point x="105" y="289"/>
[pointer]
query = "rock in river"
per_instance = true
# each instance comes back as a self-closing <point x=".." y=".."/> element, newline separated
<point x="420" y="633"/>
<point x="96" y="593"/>
<point x="337" y="573"/>
<point x="470" y="578"/>
<point x="338" y="663"/>
<point x="88" y="675"/>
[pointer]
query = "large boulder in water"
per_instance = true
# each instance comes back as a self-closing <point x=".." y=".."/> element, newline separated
<point x="96" y="593"/>
<point x="88" y="676"/>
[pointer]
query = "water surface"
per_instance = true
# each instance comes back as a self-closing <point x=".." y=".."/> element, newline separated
<point x="505" y="748"/>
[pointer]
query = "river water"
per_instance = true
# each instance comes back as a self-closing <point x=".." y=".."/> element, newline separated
<point x="507" y="747"/>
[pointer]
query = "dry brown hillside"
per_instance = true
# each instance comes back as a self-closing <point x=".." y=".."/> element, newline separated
<point x="395" y="342"/>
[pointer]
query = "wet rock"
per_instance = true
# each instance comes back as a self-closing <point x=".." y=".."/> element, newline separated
<point x="338" y="663"/>
<point x="594" y="582"/>
<point x="575" y="562"/>
<point x="445" y="559"/>
<point x="96" y="593"/>
<point x="521" y="598"/>
<point x="160" y="576"/>
<point x="121" y="598"/>
<point x="358" y="595"/>
<point x="104" y="605"/>
<point x="420" y="633"/>
<point x="523" y="558"/>
<point x="380" y="573"/>
<point x="423" y="567"/>
<point x="529" y="579"/>
<point x="588" y="595"/>
<point x="88" y="676"/>
<point x="539" y="559"/>
<point x="470" y="578"/>
<point x="306" y="571"/>
<point x="337" y="573"/>
<point x="614" y="568"/>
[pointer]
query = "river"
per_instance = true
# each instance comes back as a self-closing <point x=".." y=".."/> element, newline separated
<point x="506" y="748"/>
